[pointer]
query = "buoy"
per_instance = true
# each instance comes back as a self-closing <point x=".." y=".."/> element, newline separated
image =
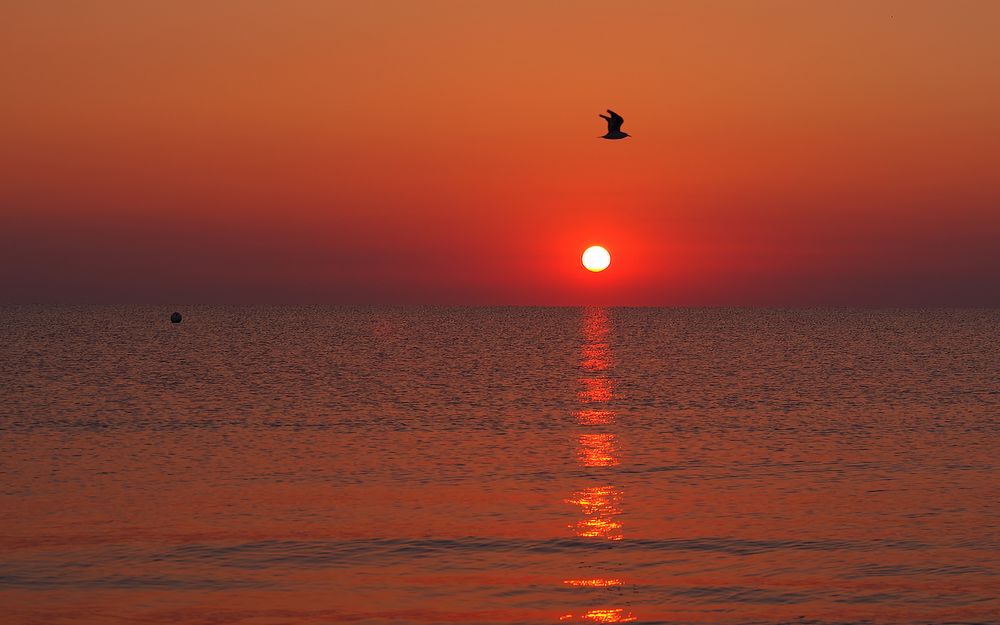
<point x="175" y="318"/>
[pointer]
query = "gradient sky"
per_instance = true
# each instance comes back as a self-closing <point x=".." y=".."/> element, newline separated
<point x="783" y="153"/>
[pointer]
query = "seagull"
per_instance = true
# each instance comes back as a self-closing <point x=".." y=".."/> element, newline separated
<point x="614" y="126"/>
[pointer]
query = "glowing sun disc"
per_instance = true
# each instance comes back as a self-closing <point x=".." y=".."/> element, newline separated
<point x="596" y="258"/>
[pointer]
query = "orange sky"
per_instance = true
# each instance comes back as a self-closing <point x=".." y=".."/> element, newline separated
<point x="783" y="153"/>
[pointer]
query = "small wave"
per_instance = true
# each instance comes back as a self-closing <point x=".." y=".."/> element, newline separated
<point x="262" y="554"/>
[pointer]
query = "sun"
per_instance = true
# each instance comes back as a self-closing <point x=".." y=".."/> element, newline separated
<point x="596" y="258"/>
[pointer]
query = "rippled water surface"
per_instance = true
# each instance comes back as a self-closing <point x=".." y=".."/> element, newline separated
<point x="274" y="466"/>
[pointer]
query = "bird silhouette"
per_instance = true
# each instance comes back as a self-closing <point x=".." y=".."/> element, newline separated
<point x="614" y="126"/>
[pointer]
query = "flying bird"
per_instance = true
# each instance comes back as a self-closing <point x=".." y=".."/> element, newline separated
<point x="614" y="126"/>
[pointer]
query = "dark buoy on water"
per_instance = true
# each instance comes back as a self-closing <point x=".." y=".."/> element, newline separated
<point x="175" y="318"/>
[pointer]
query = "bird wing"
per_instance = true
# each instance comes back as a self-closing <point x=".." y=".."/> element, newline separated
<point x="615" y="121"/>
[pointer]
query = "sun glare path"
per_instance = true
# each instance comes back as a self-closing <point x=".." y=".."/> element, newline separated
<point x="600" y="582"/>
<point x="600" y="505"/>
<point x="616" y="615"/>
<point x="595" y="417"/>
<point x="612" y="615"/>
<point x="596" y="357"/>
<point x="598" y="450"/>
<point x="596" y="390"/>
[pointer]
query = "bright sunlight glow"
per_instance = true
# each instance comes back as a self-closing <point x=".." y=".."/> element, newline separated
<point x="596" y="258"/>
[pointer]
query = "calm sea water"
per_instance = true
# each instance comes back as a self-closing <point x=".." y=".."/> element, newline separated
<point x="498" y="465"/>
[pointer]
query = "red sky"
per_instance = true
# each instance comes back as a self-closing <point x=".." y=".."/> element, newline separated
<point x="783" y="153"/>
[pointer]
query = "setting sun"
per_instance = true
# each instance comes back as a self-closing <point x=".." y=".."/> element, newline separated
<point x="596" y="258"/>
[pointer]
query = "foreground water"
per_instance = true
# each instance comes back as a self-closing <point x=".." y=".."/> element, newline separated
<point x="498" y="465"/>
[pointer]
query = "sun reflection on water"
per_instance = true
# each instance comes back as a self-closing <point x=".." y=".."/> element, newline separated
<point x="600" y="505"/>
<point x="596" y="357"/>
<point x="613" y="615"/>
<point x="599" y="582"/>
<point x="597" y="500"/>
<point x="595" y="417"/>
<point x="596" y="390"/>
<point x="609" y="615"/>
<point x="598" y="450"/>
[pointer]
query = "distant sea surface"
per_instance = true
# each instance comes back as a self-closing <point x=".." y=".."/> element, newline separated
<point x="271" y="466"/>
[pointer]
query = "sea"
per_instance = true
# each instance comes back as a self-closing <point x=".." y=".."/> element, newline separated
<point x="425" y="465"/>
